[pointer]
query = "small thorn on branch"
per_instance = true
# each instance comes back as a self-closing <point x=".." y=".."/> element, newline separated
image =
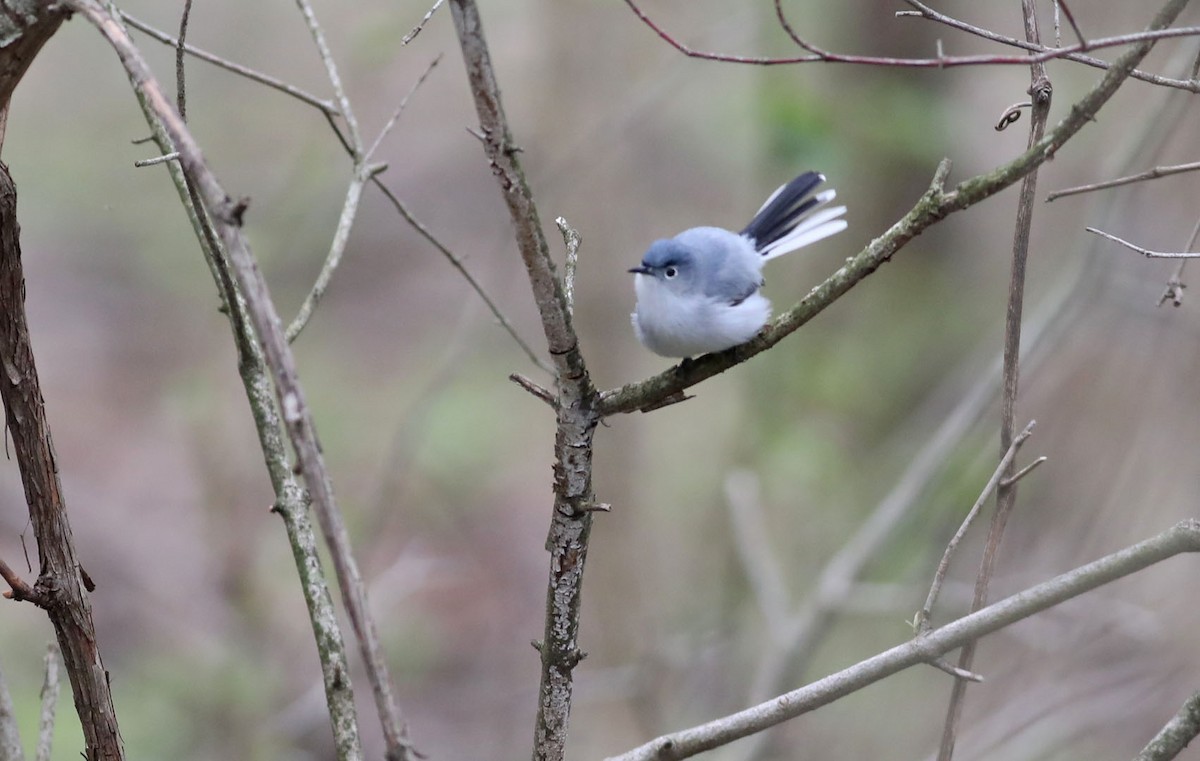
<point x="1145" y="251"/>
<point x="172" y="156"/>
<point x="943" y="665"/>
<point x="541" y="393"/>
<point x="1007" y="482"/>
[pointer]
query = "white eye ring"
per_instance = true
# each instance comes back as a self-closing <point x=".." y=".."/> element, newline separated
<point x="670" y="272"/>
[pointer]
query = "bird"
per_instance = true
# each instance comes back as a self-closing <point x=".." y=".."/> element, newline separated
<point x="700" y="292"/>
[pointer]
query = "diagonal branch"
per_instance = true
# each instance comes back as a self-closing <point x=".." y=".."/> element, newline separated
<point x="936" y="204"/>
<point x="244" y="71"/>
<point x="1149" y="174"/>
<point x="226" y="215"/>
<point x="1145" y="251"/>
<point x="1183" y="537"/>
<point x="1176" y="734"/>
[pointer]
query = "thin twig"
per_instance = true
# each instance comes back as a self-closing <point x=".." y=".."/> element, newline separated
<point x="1020" y="474"/>
<point x="180" y="84"/>
<point x="339" y="92"/>
<point x="421" y="24"/>
<point x="460" y="265"/>
<point x="49" y="703"/>
<point x="817" y="54"/>
<point x="1150" y="174"/>
<point x="173" y="155"/>
<point x="1066" y="11"/>
<point x="924" y="11"/>
<point x="341" y="237"/>
<point x="1145" y="251"/>
<point x="943" y="567"/>
<point x="1176" y="734"/>
<point x="1184" y="537"/>
<point x="941" y="664"/>
<point x="1041" y="91"/>
<point x="264" y="79"/>
<point x="400" y="108"/>
<point x="540" y="392"/>
<point x="19" y="589"/>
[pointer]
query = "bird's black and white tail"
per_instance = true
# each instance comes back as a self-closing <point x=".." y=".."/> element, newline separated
<point x="792" y="217"/>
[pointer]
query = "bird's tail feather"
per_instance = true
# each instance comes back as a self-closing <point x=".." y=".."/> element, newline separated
<point x="789" y="219"/>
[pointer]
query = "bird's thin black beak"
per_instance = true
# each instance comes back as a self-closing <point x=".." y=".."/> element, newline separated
<point x="642" y="270"/>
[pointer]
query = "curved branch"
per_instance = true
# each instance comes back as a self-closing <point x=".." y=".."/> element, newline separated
<point x="820" y="55"/>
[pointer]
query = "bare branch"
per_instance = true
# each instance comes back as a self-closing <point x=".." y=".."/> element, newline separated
<point x="265" y="79"/>
<point x="1175" y="736"/>
<point x="341" y="237"/>
<point x="816" y="54"/>
<point x="60" y="589"/>
<point x="1023" y="472"/>
<point x="226" y="214"/>
<point x="1151" y="174"/>
<point x="1066" y="11"/>
<point x="421" y="24"/>
<point x="400" y="108"/>
<point x="1145" y="251"/>
<point x="576" y="412"/>
<point x="941" y="664"/>
<point x="924" y="11"/>
<point x="339" y="92"/>
<point x="541" y="393"/>
<point x="939" y="575"/>
<point x="1184" y="537"/>
<point x="142" y="163"/>
<point x="1006" y="494"/>
<point x="460" y="265"/>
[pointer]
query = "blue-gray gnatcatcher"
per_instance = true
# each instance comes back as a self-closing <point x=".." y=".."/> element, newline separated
<point x="699" y="291"/>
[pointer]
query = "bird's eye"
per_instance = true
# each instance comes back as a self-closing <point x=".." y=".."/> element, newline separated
<point x="670" y="272"/>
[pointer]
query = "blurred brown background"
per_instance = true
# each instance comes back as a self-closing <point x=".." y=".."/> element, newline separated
<point x="442" y="465"/>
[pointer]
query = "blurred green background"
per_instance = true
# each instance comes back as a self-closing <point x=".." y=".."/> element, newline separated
<point x="443" y="466"/>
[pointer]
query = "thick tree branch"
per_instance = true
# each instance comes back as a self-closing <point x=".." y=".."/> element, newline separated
<point x="1184" y="537"/>
<point x="60" y="588"/>
<point x="25" y="25"/>
<point x="575" y="409"/>
<point x="936" y="204"/>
